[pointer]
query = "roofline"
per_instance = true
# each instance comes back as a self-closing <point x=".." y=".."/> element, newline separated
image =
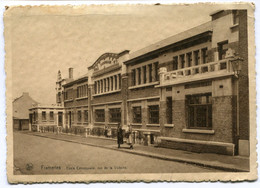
<point x="164" y="48"/>
<point x="77" y="80"/>
<point x="216" y="12"/>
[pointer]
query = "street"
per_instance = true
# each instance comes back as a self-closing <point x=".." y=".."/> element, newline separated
<point x="38" y="155"/>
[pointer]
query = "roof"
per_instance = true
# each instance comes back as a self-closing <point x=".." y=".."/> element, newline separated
<point x="46" y="106"/>
<point x="21" y="106"/>
<point x="81" y="78"/>
<point x="171" y="40"/>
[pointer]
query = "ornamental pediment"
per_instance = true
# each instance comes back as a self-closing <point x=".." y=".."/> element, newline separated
<point x="104" y="61"/>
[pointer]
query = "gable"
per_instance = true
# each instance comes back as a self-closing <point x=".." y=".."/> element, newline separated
<point x="104" y="61"/>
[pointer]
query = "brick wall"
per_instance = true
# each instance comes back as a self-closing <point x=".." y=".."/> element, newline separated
<point x="143" y="92"/>
<point x="222" y="112"/>
<point x="124" y="91"/>
<point x="107" y="98"/>
<point x="222" y="118"/>
<point x="178" y="114"/>
<point x="243" y="77"/>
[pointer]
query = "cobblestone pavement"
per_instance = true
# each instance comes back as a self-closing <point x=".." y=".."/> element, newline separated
<point x="224" y="162"/>
<point x="39" y="155"/>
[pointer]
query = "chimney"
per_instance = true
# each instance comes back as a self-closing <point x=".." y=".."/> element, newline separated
<point x="71" y="73"/>
<point x="25" y="93"/>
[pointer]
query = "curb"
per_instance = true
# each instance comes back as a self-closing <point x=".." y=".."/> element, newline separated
<point x="156" y="156"/>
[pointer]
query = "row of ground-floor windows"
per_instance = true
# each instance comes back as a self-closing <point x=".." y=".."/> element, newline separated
<point x="44" y="116"/>
<point x="114" y="115"/>
<point x="153" y="114"/>
<point x="199" y="111"/>
<point x="81" y="115"/>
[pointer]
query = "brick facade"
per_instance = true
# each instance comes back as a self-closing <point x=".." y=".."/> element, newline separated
<point x="195" y="64"/>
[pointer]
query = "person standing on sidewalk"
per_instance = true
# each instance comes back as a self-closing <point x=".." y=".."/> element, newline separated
<point x="130" y="136"/>
<point x="119" y="135"/>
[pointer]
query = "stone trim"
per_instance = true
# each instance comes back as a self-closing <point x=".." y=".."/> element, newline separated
<point x="98" y="104"/>
<point x="197" y="141"/>
<point x="169" y="125"/>
<point x="136" y="124"/>
<point x="144" y="85"/>
<point x="145" y="98"/>
<point x="198" y="131"/>
<point x="152" y="125"/>
<point x="147" y="130"/>
<point x="80" y="98"/>
<point x="106" y="93"/>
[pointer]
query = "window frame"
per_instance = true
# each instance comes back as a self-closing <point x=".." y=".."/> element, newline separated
<point x="204" y="55"/>
<point x="100" y="118"/>
<point x="192" y="111"/>
<point x="169" y="118"/>
<point x="44" y="118"/>
<point x="135" y="118"/>
<point x="51" y="116"/>
<point x="175" y="63"/>
<point x="151" y="114"/>
<point x="221" y="51"/>
<point x="79" y="116"/>
<point x="150" y="73"/>
<point x="144" y="74"/>
<point x="156" y="71"/>
<point x="235" y="17"/>
<point x="133" y="77"/>
<point x="114" y="115"/>
<point x="85" y="116"/>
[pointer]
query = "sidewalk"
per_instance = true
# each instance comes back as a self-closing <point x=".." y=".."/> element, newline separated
<point x="221" y="162"/>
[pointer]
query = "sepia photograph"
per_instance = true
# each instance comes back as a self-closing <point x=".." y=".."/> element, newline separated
<point x="130" y="93"/>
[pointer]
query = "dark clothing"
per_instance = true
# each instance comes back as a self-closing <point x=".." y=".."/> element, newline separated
<point x="120" y="136"/>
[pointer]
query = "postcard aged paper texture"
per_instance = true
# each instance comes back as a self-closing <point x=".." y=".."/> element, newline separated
<point x="130" y="93"/>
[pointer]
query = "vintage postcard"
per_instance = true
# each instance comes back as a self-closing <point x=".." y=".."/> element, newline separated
<point x="130" y="93"/>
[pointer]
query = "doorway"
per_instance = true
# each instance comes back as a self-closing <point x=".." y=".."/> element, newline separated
<point x="60" y="120"/>
<point x="69" y="119"/>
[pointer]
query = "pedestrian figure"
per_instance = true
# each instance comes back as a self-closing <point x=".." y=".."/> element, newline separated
<point x="130" y="136"/>
<point x="119" y="135"/>
<point x="109" y="132"/>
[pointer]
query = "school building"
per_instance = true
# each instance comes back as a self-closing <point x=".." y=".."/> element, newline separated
<point x="188" y="91"/>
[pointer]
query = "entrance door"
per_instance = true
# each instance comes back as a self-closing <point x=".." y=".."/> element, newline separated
<point x="60" y="118"/>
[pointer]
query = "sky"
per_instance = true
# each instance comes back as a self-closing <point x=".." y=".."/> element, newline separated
<point x="45" y="40"/>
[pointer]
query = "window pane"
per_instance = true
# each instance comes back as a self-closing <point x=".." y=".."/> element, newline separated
<point x="144" y="74"/>
<point x="191" y="116"/>
<point x="199" y="110"/>
<point x="154" y="114"/>
<point x="79" y="116"/>
<point x="201" y="116"/>
<point x="100" y="115"/>
<point x="51" y="116"/>
<point x="156" y="71"/>
<point x="137" y="114"/>
<point x="43" y="115"/>
<point x="175" y="63"/>
<point x="115" y="115"/>
<point x="85" y="116"/>
<point x="133" y="77"/>
<point x="169" y="110"/>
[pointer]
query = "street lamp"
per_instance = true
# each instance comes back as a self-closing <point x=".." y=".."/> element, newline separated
<point x="236" y="65"/>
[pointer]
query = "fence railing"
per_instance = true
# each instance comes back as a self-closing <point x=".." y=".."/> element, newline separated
<point x="219" y="67"/>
